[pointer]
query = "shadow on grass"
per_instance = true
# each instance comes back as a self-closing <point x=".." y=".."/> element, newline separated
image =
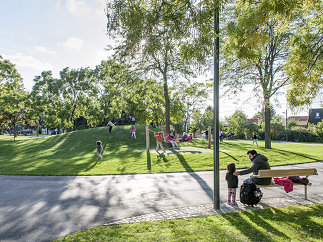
<point x="257" y="226"/>
<point x="67" y="154"/>
<point x="234" y="158"/>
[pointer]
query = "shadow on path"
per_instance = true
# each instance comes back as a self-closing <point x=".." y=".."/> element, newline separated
<point x="187" y="167"/>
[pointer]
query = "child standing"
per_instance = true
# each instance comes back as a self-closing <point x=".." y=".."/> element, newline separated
<point x="99" y="149"/>
<point x="232" y="181"/>
<point x="133" y="131"/>
<point x="159" y="139"/>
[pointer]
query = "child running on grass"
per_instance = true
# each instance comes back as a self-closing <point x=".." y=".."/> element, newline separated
<point x="133" y="131"/>
<point x="232" y="181"/>
<point x="99" y="149"/>
<point x="159" y="139"/>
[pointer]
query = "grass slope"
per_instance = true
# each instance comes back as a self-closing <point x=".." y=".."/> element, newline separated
<point x="74" y="153"/>
<point x="300" y="223"/>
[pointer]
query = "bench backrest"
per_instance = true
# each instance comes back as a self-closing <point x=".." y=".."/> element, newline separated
<point x="287" y="172"/>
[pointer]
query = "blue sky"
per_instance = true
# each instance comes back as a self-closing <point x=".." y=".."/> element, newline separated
<point x="39" y="35"/>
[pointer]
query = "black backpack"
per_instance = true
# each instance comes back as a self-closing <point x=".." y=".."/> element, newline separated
<point x="250" y="194"/>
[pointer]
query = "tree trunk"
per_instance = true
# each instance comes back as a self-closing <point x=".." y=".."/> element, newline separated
<point x="167" y="103"/>
<point x="14" y="130"/>
<point x="267" y="125"/>
<point x="37" y="122"/>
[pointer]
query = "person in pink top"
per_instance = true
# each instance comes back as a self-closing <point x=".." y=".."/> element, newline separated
<point x="159" y="140"/>
<point x="133" y="131"/>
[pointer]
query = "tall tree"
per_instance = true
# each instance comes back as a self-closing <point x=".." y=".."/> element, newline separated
<point x="122" y="89"/>
<point x="12" y="94"/>
<point x="272" y="44"/>
<point x="257" y="48"/>
<point x="77" y="87"/>
<point x="155" y="36"/>
<point x="191" y="95"/>
<point x="46" y="99"/>
<point x="305" y="64"/>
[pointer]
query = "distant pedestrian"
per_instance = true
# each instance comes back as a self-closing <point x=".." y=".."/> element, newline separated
<point x="221" y="136"/>
<point x="110" y="124"/>
<point x="254" y="139"/>
<point x="159" y="140"/>
<point x="133" y="131"/>
<point x="232" y="181"/>
<point x="206" y="132"/>
<point x="99" y="149"/>
<point x="152" y="124"/>
<point x="133" y="120"/>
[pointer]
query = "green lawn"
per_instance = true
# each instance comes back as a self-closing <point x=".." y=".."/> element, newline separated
<point x="300" y="223"/>
<point x="74" y="153"/>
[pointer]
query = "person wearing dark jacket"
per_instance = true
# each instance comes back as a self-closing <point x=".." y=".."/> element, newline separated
<point x="259" y="162"/>
<point x="232" y="181"/>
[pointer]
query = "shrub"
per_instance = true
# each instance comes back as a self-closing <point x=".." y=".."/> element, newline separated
<point x="297" y="136"/>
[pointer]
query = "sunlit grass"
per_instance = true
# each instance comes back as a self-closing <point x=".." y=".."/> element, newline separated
<point x="74" y="153"/>
<point x="301" y="223"/>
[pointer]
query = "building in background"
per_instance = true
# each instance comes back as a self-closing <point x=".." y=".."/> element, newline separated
<point x="315" y="115"/>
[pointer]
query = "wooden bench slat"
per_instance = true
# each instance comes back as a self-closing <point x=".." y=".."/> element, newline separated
<point x="277" y="185"/>
<point x="289" y="172"/>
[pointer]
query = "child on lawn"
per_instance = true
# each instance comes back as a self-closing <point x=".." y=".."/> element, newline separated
<point x="232" y="181"/>
<point x="133" y="131"/>
<point x="99" y="149"/>
<point x="159" y="140"/>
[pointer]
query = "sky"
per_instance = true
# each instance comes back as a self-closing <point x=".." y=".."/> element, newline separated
<point x="41" y="35"/>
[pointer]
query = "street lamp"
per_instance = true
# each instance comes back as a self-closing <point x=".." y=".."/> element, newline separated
<point x="216" y="77"/>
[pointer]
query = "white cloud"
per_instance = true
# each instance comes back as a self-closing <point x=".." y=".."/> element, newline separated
<point x="44" y="50"/>
<point x="28" y="61"/>
<point x="73" y="6"/>
<point x="73" y="43"/>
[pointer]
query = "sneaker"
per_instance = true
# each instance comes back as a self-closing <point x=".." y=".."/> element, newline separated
<point x="229" y="203"/>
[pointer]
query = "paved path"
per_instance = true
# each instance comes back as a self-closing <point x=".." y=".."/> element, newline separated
<point x="42" y="208"/>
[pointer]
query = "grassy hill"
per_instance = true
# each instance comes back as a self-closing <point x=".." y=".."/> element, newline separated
<point x="74" y="153"/>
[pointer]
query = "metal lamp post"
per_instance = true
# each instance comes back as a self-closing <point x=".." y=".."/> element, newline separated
<point x="216" y="178"/>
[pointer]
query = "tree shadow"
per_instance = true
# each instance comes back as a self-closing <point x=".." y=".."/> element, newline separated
<point x="234" y="158"/>
<point x="187" y="167"/>
<point x="257" y="227"/>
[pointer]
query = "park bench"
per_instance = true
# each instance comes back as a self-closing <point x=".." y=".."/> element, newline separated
<point x="286" y="173"/>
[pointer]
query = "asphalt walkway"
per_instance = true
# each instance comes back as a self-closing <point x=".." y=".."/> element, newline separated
<point x="40" y="208"/>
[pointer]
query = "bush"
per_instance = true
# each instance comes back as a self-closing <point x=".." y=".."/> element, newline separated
<point x="317" y="129"/>
<point x="297" y="136"/>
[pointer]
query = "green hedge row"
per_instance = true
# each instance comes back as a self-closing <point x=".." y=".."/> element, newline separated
<point x="297" y="136"/>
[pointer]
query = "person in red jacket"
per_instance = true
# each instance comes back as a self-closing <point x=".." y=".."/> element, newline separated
<point x="159" y="139"/>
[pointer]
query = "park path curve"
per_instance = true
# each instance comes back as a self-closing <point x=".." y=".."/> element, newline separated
<point x="43" y="208"/>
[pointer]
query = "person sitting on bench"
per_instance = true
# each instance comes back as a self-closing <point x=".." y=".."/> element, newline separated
<point x="259" y="162"/>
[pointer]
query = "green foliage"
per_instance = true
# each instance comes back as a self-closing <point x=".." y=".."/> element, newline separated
<point x="305" y="63"/>
<point x="298" y="135"/>
<point x="317" y="129"/>
<point x="238" y="123"/>
<point x="271" y="44"/>
<point x="158" y="37"/>
<point x="277" y="126"/>
<point x="13" y="98"/>
<point x="203" y="121"/>
<point x="46" y="99"/>
<point x="298" y="223"/>
<point x="190" y="97"/>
